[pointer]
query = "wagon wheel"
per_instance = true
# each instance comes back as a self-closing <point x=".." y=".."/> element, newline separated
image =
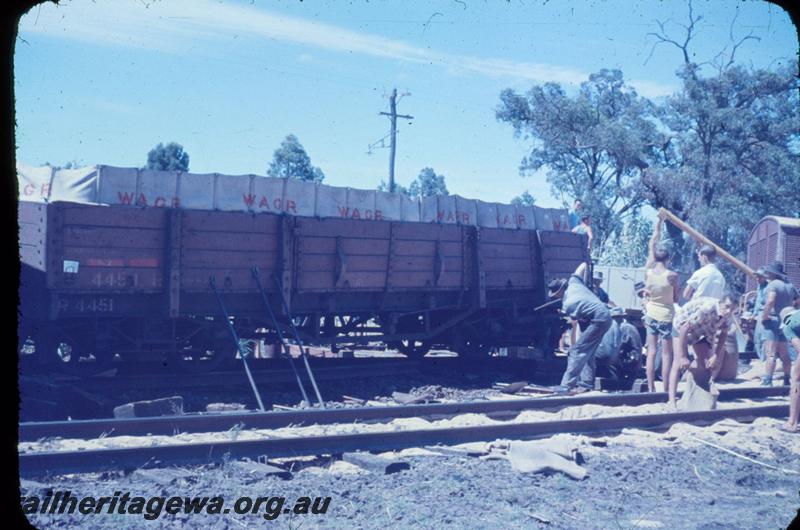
<point x="413" y="349"/>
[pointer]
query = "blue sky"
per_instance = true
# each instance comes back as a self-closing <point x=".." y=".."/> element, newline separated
<point x="102" y="83"/>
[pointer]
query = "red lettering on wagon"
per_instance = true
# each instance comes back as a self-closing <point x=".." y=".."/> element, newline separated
<point x="355" y="213"/>
<point x="30" y="189"/>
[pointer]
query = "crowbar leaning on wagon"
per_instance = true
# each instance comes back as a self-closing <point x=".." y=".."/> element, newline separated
<point x="284" y="345"/>
<point x="303" y="354"/>
<point x="243" y="354"/>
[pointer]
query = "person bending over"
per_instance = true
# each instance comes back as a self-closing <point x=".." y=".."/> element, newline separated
<point x="702" y="324"/>
<point x="592" y="316"/>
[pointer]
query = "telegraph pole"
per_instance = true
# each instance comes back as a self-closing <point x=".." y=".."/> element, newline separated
<point x="393" y="115"/>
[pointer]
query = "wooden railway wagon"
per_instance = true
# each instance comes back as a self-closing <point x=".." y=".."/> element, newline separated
<point x="775" y="239"/>
<point x="98" y="280"/>
<point x="118" y="262"/>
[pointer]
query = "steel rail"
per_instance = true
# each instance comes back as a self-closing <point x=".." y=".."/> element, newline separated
<point x="61" y="462"/>
<point x="193" y="423"/>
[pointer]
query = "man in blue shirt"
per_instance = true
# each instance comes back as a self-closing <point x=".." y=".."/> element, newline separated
<point x="621" y="348"/>
<point x="580" y="304"/>
<point x="575" y="214"/>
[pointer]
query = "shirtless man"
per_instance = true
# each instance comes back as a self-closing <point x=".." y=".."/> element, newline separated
<point x="585" y="229"/>
<point x="779" y="294"/>
<point x="702" y="324"/>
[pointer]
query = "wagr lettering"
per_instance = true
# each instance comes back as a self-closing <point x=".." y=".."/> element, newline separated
<point x="504" y="220"/>
<point x="449" y="216"/>
<point x="131" y="199"/>
<point x="355" y="213"/>
<point x="264" y="203"/>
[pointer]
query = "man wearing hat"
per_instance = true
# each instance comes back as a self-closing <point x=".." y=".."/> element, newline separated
<point x="621" y="348"/>
<point x="780" y="294"/>
<point x="790" y="317"/>
<point x="593" y="317"/>
<point x="597" y="281"/>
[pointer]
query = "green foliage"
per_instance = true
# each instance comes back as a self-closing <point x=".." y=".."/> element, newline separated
<point x="629" y="247"/>
<point x="721" y="153"/>
<point x="291" y="161"/>
<point x="384" y="186"/>
<point x="170" y="157"/>
<point x="526" y="199"/>
<point x="594" y="144"/>
<point x="731" y="157"/>
<point x="428" y="184"/>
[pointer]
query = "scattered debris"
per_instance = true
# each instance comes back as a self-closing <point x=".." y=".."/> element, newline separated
<point x="639" y="386"/>
<point x="354" y="400"/>
<point x="376" y="464"/>
<point x="411" y="399"/>
<point x="513" y="388"/>
<point x="250" y="467"/>
<point x="534" y="457"/>
<point x="163" y="476"/>
<point x="171" y="406"/>
<point x="647" y="523"/>
<point x="225" y="407"/>
<point x="539" y="518"/>
<point x="476" y="449"/>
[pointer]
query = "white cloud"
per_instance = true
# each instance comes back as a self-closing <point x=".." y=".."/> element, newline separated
<point x="173" y="26"/>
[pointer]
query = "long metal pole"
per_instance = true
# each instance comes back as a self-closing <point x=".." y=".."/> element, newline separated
<point x="235" y="336"/>
<point x="299" y="340"/>
<point x="257" y="277"/>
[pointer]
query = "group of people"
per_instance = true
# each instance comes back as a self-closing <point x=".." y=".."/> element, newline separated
<point x="701" y="324"/>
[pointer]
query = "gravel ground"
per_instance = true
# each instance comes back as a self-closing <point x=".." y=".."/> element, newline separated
<point x="635" y="480"/>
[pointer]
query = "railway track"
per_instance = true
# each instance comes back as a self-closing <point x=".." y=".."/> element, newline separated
<point x="91" y="460"/>
<point x="194" y="423"/>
